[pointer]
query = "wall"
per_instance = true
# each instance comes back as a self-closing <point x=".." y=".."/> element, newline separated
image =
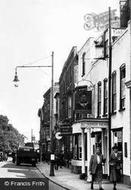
<point x="121" y="54"/>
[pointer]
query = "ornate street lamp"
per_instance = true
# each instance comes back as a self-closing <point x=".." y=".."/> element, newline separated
<point x="16" y="80"/>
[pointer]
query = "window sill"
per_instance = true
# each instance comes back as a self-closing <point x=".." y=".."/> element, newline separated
<point x="113" y="113"/>
<point x="121" y="109"/>
<point x="105" y="115"/>
<point x="98" y="116"/>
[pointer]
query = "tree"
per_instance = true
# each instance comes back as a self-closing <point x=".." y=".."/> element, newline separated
<point x="10" y="138"/>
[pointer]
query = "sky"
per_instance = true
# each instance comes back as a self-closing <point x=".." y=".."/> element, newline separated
<point x="29" y="31"/>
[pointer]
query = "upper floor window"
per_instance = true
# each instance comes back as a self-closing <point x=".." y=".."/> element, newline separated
<point x="99" y="99"/>
<point x="105" y="97"/>
<point x="83" y="64"/>
<point x="113" y="92"/>
<point x="122" y="86"/>
<point x="106" y="49"/>
<point x="69" y="106"/>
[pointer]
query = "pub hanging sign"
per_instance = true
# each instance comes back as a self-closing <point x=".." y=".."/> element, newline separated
<point x="83" y="100"/>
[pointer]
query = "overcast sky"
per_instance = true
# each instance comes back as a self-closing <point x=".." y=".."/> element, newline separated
<point x="29" y="31"/>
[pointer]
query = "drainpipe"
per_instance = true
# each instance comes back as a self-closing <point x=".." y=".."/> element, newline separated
<point x="130" y="88"/>
<point x="83" y="150"/>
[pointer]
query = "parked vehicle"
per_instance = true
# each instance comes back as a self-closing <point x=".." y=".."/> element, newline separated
<point x="26" y="154"/>
<point x="3" y="156"/>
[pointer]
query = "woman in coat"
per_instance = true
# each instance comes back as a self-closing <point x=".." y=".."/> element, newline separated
<point x="114" y="166"/>
<point x="95" y="168"/>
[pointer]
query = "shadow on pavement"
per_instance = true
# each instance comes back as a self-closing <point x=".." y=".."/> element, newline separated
<point x="22" y="171"/>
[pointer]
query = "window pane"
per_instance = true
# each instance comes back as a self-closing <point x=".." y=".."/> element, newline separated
<point x="123" y="88"/>
<point x="113" y="92"/>
<point x="99" y="99"/>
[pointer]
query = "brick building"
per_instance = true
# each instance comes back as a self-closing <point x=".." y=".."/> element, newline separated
<point x="66" y="85"/>
<point x="44" y="114"/>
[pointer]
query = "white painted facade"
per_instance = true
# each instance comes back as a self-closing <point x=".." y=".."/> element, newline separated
<point x="96" y="70"/>
<point x="121" y="54"/>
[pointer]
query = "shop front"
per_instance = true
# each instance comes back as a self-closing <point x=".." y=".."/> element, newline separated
<point x="87" y="135"/>
<point x="117" y="139"/>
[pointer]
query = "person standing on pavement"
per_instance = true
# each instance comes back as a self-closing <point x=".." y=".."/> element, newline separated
<point x="114" y="163"/>
<point x="95" y="168"/>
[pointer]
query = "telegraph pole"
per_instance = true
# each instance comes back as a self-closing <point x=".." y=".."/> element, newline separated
<point x="52" y="156"/>
<point x="109" y="86"/>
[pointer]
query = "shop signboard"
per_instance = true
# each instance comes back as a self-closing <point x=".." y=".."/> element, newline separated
<point x="83" y="100"/>
<point x="66" y="130"/>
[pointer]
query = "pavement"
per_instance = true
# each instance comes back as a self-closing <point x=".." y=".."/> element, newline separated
<point x="70" y="181"/>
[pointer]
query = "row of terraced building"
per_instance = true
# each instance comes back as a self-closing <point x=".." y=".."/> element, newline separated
<point x="81" y="102"/>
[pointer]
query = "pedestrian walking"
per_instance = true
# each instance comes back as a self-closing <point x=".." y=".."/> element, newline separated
<point x="95" y="168"/>
<point x="61" y="159"/>
<point x="13" y="156"/>
<point x="57" y="161"/>
<point x="114" y="163"/>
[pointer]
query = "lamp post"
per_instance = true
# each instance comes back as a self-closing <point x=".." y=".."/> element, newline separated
<point x="16" y="80"/>
<point x="52" y="120"/>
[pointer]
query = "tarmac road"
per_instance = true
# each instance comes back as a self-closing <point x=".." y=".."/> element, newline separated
<point x="10" y="170"/>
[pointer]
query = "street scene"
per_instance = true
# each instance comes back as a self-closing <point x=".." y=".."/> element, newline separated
<point x="65" y="94"/>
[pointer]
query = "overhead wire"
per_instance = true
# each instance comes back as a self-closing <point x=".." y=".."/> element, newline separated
<point x="37" y="60"/>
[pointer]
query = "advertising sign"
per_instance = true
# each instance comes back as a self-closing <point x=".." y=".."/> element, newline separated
<point x="58" y="135"/>
<point x="66" y="130"/>
<point x="100" y="21"/>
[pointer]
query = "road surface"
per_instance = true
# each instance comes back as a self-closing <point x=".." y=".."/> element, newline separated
<point x="10" y="170"/>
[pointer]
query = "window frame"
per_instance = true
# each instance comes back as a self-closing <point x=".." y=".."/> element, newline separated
<point x="99" y="86"/>
<point x="83" y="63"/>
<point x="105" y="97"/>
<point x="69" y="107"/>
<point x="114" y="93"/>
<point x="122" y="85"/>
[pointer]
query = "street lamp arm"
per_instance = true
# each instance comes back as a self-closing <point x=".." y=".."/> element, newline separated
<point x="27" y="66"/>
<point x="52" y="103"/>
<point x="32" y="66"/>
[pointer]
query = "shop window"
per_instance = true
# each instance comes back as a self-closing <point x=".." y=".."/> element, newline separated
<point x="98" y="139"/>
<point x="85" y="146"/>
<point x="105" y="98"/>
<point x="79" y="148"/>
<point x="106" y="49"/>
<point x="122" y="86"/>
<point x="113" y="92"/>
<point x="83" y="64"/>
<point x="99" y="99"/>
<point x="75" y="147"/>
<point x="117" y="139"/>
<point x="125" y="147"/>
<point x="80" y="153"/>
